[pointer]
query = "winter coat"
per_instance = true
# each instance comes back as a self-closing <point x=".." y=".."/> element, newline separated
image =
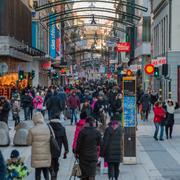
<point x="117" y="106"/>
<point x="170" y="114"/>
<point x="4" y="112"/>
<point x="112" y="144"/>
<point x="60" y="134"/>
<point x="87" y="149"/>
<point x="26" y="101"/>
<point x="145" y="101"/>
<point x="88" y="141"/>
<point x="63" y="97"/>
<point x="79" y="127"/>
<point x="39" y="138"/>
<point x="159" y="114"/>
<point x="154" y="97"/>
<point x="38" y="102"/>
<point x="87" y="109"/>
<point x="74" y="102"/>
<point x="2" y="167"/>
<point x="54" y="104"/>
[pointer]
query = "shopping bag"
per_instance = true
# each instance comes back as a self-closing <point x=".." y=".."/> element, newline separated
<point x="76" y="170"/>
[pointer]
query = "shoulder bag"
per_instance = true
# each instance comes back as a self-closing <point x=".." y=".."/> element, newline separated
<point x="54" y="147"/>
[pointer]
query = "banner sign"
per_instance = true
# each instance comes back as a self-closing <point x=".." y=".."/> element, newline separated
<point x="58" y="42"/>
<point x="52" y="38"/>
<point x="123" y="47"/>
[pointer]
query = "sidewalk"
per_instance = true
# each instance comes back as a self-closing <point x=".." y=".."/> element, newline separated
<point x="155" y="160"/>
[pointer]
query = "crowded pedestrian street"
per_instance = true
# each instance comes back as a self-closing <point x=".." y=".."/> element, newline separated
<point x="89" y="90"/>
<point x="155" y="160"/>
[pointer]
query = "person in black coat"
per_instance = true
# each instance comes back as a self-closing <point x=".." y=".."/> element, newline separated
<point x="4" y="109"/>
<point x="61" y="138"/>
<point x="26" y="102"/>
<point x="54" y="105"/>
<point x="111" y="150"/>
<point x="146" y="102"/>
<point x="87" y="149"/>
<point x="117" y="107"/>
<point x="2" y="167"/>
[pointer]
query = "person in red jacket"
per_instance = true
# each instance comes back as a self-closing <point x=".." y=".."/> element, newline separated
<point x="159" y="116"/>
<point x="79" y="126"/>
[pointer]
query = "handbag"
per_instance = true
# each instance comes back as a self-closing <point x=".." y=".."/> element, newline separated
<point x="54" y="147"/>
<point x="76" y="170"/>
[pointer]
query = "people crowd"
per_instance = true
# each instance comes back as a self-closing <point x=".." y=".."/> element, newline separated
<point x="87" y="105"/>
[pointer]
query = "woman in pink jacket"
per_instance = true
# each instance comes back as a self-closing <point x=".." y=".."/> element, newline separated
<point x="79" y="126"/>
<point x="38" y="102"/>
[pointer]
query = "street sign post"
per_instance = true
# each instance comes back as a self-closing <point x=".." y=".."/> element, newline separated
<point x="129" y="120"/>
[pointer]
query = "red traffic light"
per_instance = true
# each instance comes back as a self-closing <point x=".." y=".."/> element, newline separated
<point x="149" y="69"/>
<point x="129" y="72"/>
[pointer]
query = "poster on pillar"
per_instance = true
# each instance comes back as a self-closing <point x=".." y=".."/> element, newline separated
<point x="58" y="42"/>
<point x="129" y="111"/>
<point x="52" y="37"/>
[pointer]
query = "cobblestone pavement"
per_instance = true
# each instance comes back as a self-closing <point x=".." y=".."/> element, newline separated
<point x="155" y="160"/>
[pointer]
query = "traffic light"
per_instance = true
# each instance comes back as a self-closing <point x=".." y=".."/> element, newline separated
<point x="21" y="75"/>
<point x="33" y="74"/>
<point x="165" y="70"/>
<point x="156" y="72"/>
<point x="55" y="75"/>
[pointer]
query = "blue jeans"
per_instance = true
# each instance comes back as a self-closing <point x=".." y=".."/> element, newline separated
<point x="27" y="112"/>
<point x="73" y="115"/>
<point x="157" y="126"/>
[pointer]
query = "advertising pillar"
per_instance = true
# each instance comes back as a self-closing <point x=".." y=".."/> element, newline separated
<point x="129" y="120"/>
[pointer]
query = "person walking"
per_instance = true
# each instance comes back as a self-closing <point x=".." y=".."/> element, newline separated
<point x="159" y="120"/>
<point x="39" y="138"/>
<point x="79" y="125"/>
<point x="5" y="107"/>
<point x="88" y="141"/>
<point x="2" y="167"/>
<point x="170" y="109"/>
<point x="111" y="150"/>
<point x="146" y="103"/>
<point x="87" y="108"/>
<point x="61" y="138"/>
<point x="54" y="105"/>
<point x="38" y="102"/>
<point x="74" y="104"/>
<point x="26" y="102"/>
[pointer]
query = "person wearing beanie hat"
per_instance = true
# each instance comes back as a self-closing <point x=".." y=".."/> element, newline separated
<point x="39" y="138"/>
<point x="16" y="168"/>
<point x="111" y="150"/>
<point x="14" y="154"/>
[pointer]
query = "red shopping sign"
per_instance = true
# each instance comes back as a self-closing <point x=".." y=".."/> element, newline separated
<point x="123" y="47"/>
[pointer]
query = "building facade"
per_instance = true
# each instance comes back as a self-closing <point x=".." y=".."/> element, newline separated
<point x="166" y="44"/>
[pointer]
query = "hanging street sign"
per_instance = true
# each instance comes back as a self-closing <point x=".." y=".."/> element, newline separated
<point x="123" y="47"/>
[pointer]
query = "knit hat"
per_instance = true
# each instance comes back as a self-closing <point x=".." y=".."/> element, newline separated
<point x="15" y="154"/>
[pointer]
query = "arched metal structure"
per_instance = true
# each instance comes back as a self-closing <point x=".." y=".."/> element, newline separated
<point x="122" y="18"/>
<point x="124" y="22"/>
<point x="86" y="9"/>
<point x="115" y="2"/>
